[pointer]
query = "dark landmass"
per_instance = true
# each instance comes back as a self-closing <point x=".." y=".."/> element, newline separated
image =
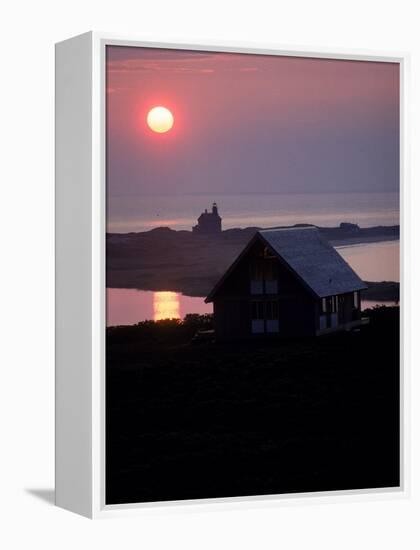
<point x="385" y="291"/>
<point x="181" y="261"/>
<point x="208" y="420"/>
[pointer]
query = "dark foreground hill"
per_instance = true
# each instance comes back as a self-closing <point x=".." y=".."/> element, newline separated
<point x="200" y="421"/>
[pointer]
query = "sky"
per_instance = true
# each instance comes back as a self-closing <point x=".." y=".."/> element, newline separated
<point x="250" y="124"/>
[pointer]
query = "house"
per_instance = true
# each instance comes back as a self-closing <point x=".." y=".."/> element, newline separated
<point x="349" y="227"/>
<point x="209" y="222"/>
<point x="286" y="282"/>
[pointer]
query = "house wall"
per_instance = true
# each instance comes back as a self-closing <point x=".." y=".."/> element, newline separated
<point x="233" y="302"/>
<point x="232" y="318"/>
<point x="347" y="312"/>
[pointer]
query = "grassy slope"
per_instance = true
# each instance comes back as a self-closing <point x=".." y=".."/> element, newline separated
<point x="201" y="421"/>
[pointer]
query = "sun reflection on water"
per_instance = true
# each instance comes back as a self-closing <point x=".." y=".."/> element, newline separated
<point x="166" y="305"/>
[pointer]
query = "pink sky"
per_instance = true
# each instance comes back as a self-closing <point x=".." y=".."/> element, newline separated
<point x="246" y="123"/>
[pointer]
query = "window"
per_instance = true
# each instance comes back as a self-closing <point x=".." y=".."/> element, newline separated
<point x="356" y="299"/>
<point x="264" y="316"/>
<point x="272" y="316"/>
<point x="329" y="312"/>
<point x="265" y="310"/>
<point x="257" y="310"/>
<point x="257" y="278"/>
<point x="272" y="310"/>
<point x="270" y="271"/>
<point x="257" y="271"/>
<point x="267" y="253"/>
<point x="257" y="317"/>
<point x="270" y="277"/>
<point x="329" y="304"/>
<point x="264" y="277"/>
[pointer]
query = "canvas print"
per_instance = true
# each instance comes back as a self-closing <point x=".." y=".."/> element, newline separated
<point x="252" y="272"/>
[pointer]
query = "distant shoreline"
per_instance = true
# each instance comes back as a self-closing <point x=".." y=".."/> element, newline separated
<point x="337" y="236"/>
<point x="342" y="243"/>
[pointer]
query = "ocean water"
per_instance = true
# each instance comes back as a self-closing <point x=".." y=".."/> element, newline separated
<point x="125" y="214"/>
<point x="371" y="261"/>
<point x="374" y="261"/>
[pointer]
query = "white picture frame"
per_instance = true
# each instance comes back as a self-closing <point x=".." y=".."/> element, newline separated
<point x="80" y="274"/>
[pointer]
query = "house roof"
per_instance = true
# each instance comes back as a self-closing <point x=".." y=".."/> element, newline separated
<point x="313" y="260"/>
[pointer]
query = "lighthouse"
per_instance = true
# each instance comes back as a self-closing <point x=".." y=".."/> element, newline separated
<point x="209" y="223"/>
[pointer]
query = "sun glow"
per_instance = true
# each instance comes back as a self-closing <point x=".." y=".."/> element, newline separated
<point x="165" y="305"/>
<point x="160" y="119"/>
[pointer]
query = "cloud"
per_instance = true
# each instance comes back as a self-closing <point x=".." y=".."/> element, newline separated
<point x="116" y="89"/>
<point x="126" y="53"/>
<point x="139" y="59"/>
<point x="140" y="65"/>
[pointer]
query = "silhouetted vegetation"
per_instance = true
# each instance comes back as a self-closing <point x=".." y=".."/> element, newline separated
<point x="155" y="334"/>
<point x="250" y="418"/>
